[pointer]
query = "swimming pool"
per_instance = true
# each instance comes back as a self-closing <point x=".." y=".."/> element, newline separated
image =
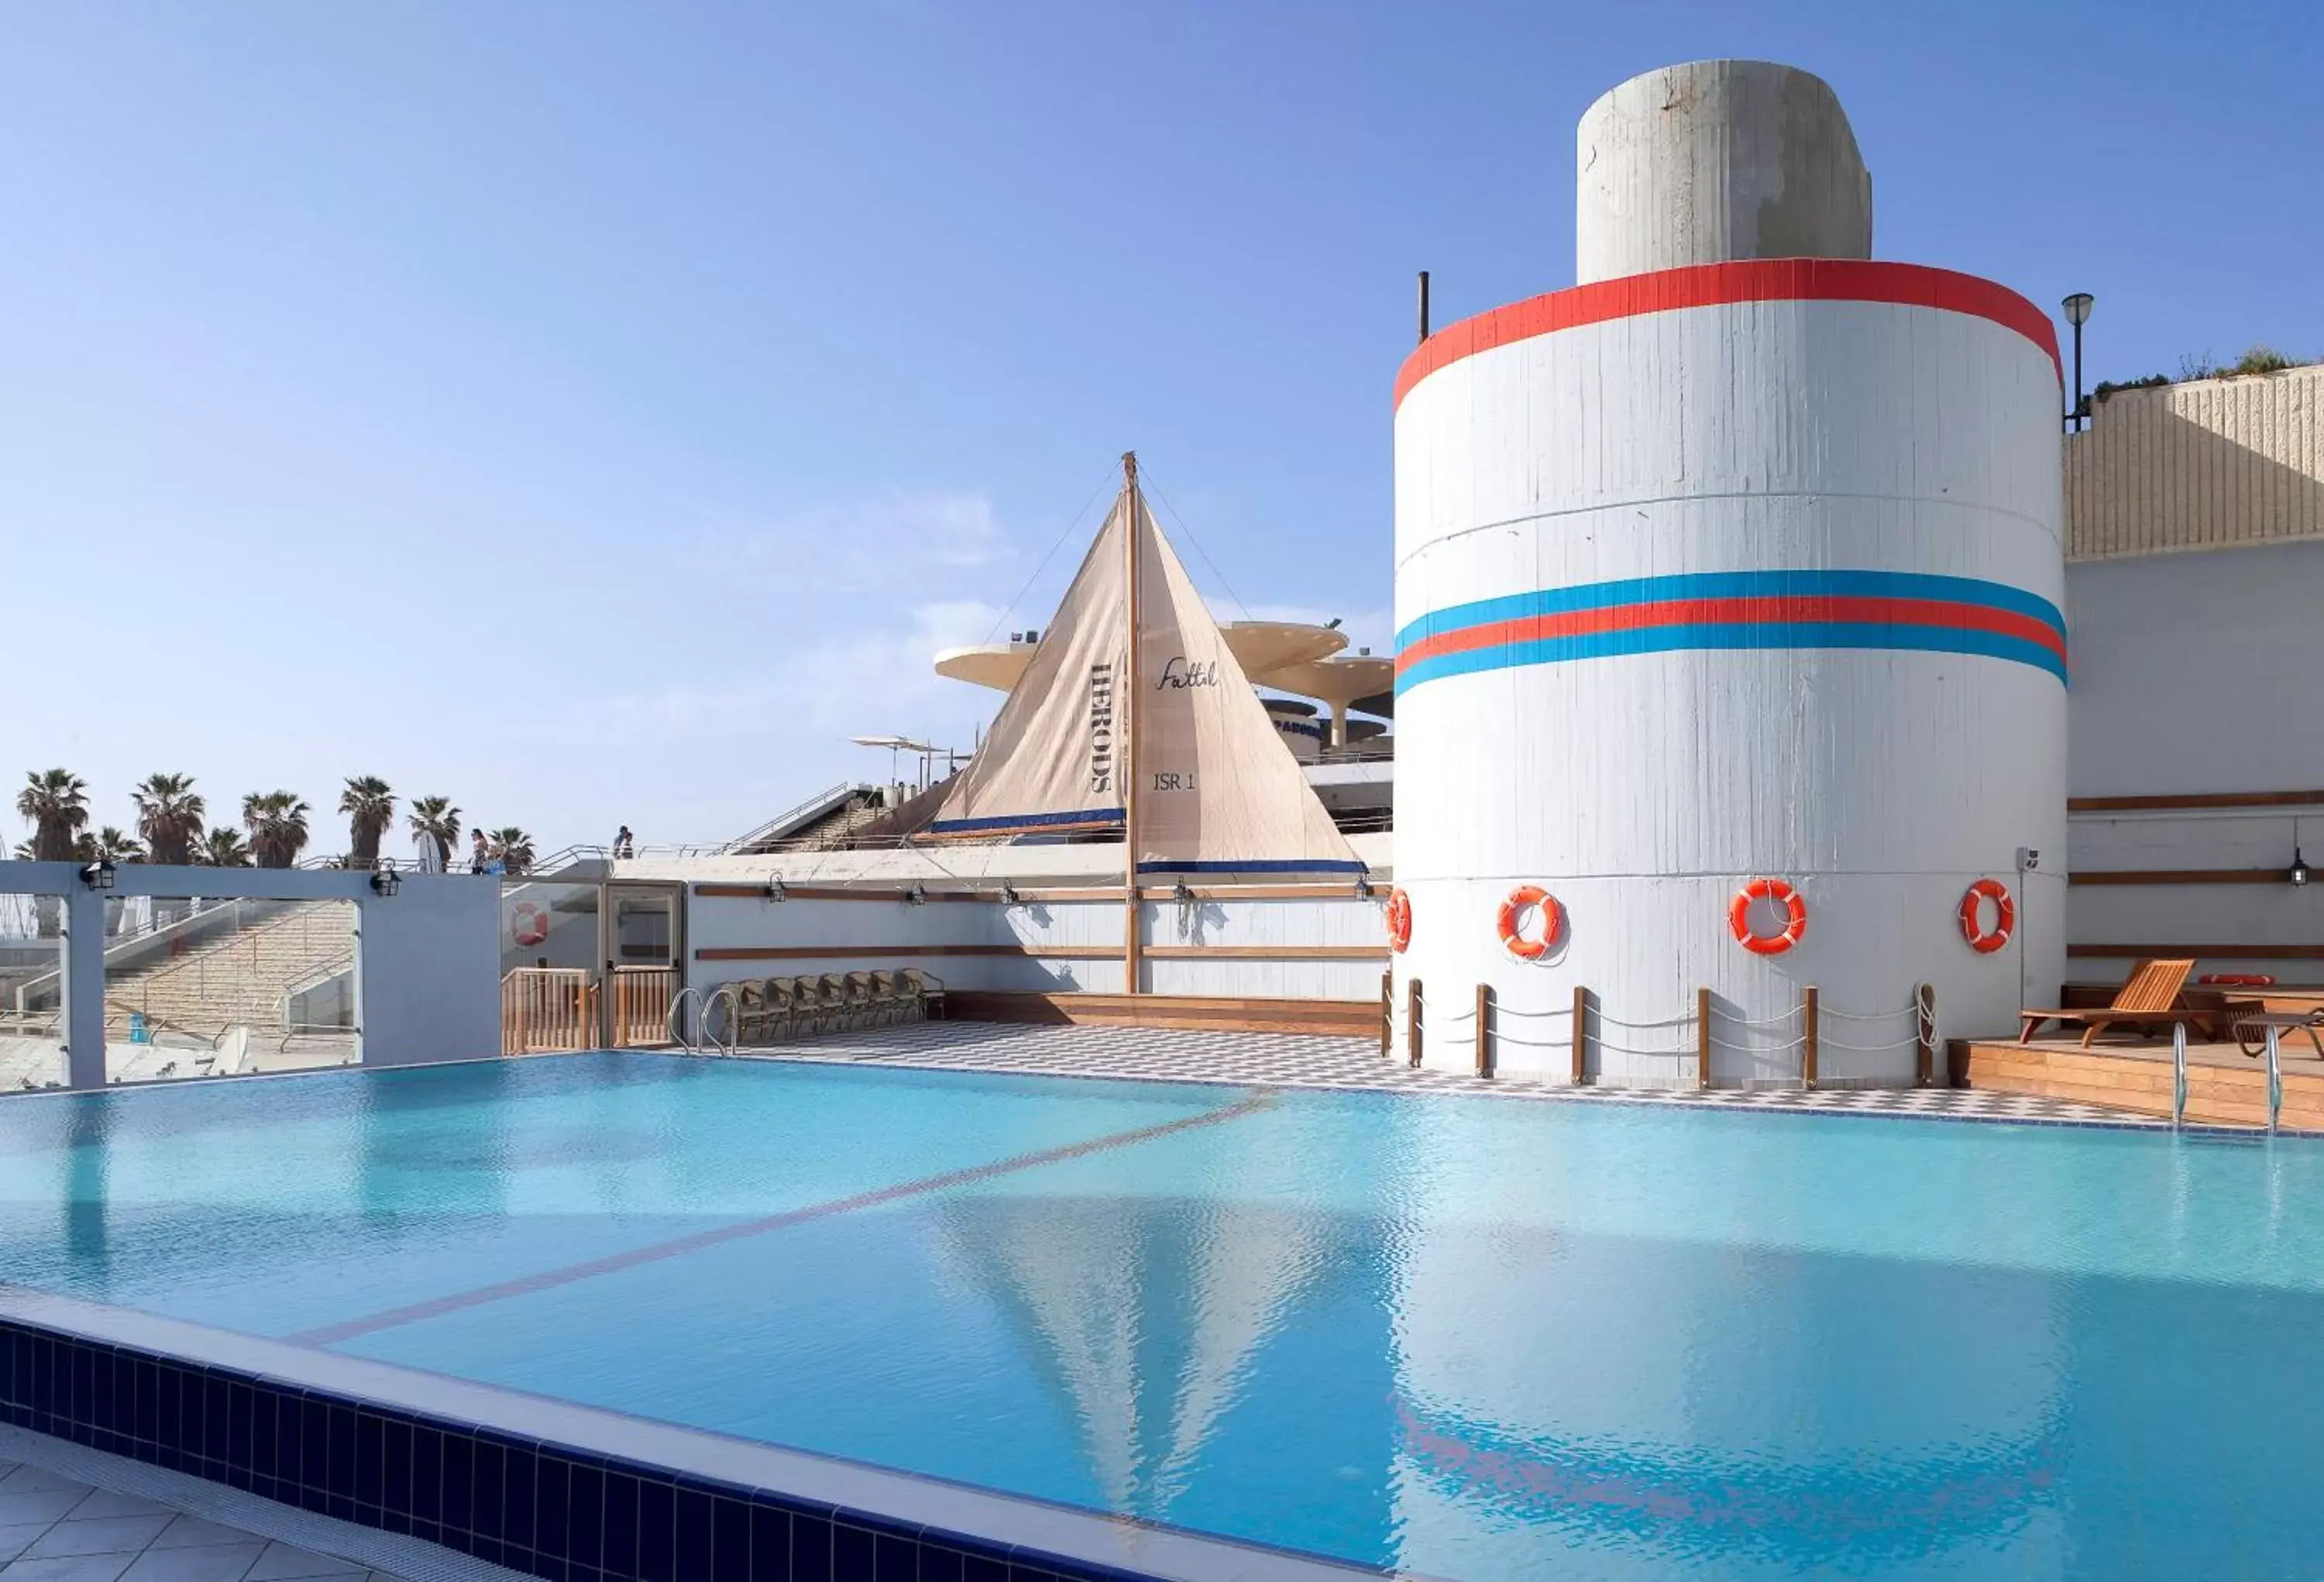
<point x="1466" y="1338"/>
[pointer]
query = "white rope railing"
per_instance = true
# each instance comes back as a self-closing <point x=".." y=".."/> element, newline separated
<point x="1461" y="1027"/>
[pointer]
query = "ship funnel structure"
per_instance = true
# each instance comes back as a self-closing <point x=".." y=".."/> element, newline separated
<point x="1731" y="652"/>
<point x="1716" y="161"/>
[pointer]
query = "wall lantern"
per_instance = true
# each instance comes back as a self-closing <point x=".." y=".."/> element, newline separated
<point x="2299" y="874"/>
<point x="775" y="891"/>
<point x="1008" y="895"/>
<point x="385" y="882"/>
<point x="916" y="895"/>
<point x="99" y="874"/>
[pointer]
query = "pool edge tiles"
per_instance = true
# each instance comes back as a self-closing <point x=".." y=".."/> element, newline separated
<point x="552" y="1487"/>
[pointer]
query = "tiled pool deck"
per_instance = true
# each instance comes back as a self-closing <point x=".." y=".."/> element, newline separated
<point x="1287" y="1061"/>
<point x="70" y="1515"/>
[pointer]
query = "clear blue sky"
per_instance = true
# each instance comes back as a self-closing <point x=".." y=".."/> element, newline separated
<point x="597" y="412"/>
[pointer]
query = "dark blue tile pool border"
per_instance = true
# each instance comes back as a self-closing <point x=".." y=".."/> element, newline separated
<point x="534" y="1506"/>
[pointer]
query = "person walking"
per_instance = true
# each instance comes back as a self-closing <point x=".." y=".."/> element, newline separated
<point x="479" y="854"/>
<point x="625" y="844"/>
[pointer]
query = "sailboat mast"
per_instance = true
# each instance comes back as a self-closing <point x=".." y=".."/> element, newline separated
<point x="1132" y="537"/>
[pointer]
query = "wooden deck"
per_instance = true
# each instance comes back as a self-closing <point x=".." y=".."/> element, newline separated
<point x="2223" y="1086"/>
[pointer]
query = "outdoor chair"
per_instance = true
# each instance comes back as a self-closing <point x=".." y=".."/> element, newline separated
<point x="2151" y="996"/>
<point x="928" y="988"/>
<point x="895" y="1004"/>
<point x="831" y="994"/>
<point x="783" y="1008"/>
<point x="863" y="1000"/>
<point x="750" y="1001"/>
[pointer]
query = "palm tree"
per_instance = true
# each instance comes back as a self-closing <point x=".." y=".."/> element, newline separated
<point x="169" y="814"/>
<point x="512" y="847"/>
<point x="222" y="848"/>
<point x="276" y="822"/>
<point x="370" y="807"/>
<point x="108" y="845"/>
<point x="436" y="819"/>
<point x="57" y="803"/>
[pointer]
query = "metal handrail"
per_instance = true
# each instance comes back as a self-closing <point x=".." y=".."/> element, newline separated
<point x="2275" y="1079"/>
<point x="2178" y="1073"/>
<point x="673" y="1021"/>
<point x="706" y="1026"/>
<point x="830" y="793"/>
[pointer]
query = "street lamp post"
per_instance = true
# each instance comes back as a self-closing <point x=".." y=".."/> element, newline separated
<point x="2078" y="313"/>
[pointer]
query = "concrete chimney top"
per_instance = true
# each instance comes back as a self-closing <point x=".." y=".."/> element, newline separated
<point x="1715" y="161"/>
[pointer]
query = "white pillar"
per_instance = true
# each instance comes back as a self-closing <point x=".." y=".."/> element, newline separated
<point x="84" y="987"/>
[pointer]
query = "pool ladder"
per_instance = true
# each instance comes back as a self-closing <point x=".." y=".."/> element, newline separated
<point x="2179" y="1076"/>
<point x="704" y="1039"/>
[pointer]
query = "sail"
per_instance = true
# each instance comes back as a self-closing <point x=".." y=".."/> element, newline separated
<point x="1218" y="791"/>
<point x="1050" y="764"/>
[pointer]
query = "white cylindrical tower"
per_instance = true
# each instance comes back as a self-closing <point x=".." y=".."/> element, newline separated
<point x="1736" y="571"/>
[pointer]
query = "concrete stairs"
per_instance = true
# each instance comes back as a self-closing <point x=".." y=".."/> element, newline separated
<point x="836" y="828"/>
<point x="238" y="980"/>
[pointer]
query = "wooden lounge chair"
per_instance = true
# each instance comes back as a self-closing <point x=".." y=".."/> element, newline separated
<point x="2149" y="998"/>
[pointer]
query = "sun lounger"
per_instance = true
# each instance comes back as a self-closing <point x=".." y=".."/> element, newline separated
<point x="2150" y="997"/>
<point x="2250" y="1028"/>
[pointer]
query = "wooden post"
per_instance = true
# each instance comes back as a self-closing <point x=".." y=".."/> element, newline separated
<point x="1387" y="1013"/>
<point x="1125" y="707"/>
<point x="1924" y="1027"/>
<point x="1703" y="1038"/>
<point x="1809" y="1013"/>
<point x="1484" y="1030"/>
<point x="1412" y="1022"/>
<point x="1581" y="1034"/>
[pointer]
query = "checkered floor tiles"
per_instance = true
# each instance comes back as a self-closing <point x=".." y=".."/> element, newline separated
<point x="1283" y="1060"/>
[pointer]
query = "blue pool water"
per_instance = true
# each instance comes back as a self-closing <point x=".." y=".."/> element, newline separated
<point x="1471" y="1338"/>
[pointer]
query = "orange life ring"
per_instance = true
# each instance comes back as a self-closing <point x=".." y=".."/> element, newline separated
<point x="529" y="922"/>
<point x="1796" y="920"/>
<point x="1553" y="922"/>
<point x="1399" y="920"/>
<point x="1972" y="918"/>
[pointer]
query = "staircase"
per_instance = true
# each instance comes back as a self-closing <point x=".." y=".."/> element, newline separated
<point x="837" y="828"/>
<point x="240" y="980"/>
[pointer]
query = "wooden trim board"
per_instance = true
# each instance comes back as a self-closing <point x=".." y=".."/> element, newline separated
<point x="2108" y="952"/>
<point x="875" y="952"/>
<point x="1316" y="1018"/>
<point x="2195" y="802"/>
<point x="1061" y="952"/>
<point x="991" y="894"/>
<point x="2181" y="877"/>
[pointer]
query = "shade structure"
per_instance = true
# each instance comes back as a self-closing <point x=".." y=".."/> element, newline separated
<point x="1258" y="646"/>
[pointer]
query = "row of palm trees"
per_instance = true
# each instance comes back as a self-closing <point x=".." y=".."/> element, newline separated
<point x="172" y="826"/>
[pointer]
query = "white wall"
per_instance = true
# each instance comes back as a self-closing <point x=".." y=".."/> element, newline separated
<point x="2198" y="672"/>
<point x="427" y="963"/>
<point x="428" y="971"/>
<point x="715" y="923"/>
